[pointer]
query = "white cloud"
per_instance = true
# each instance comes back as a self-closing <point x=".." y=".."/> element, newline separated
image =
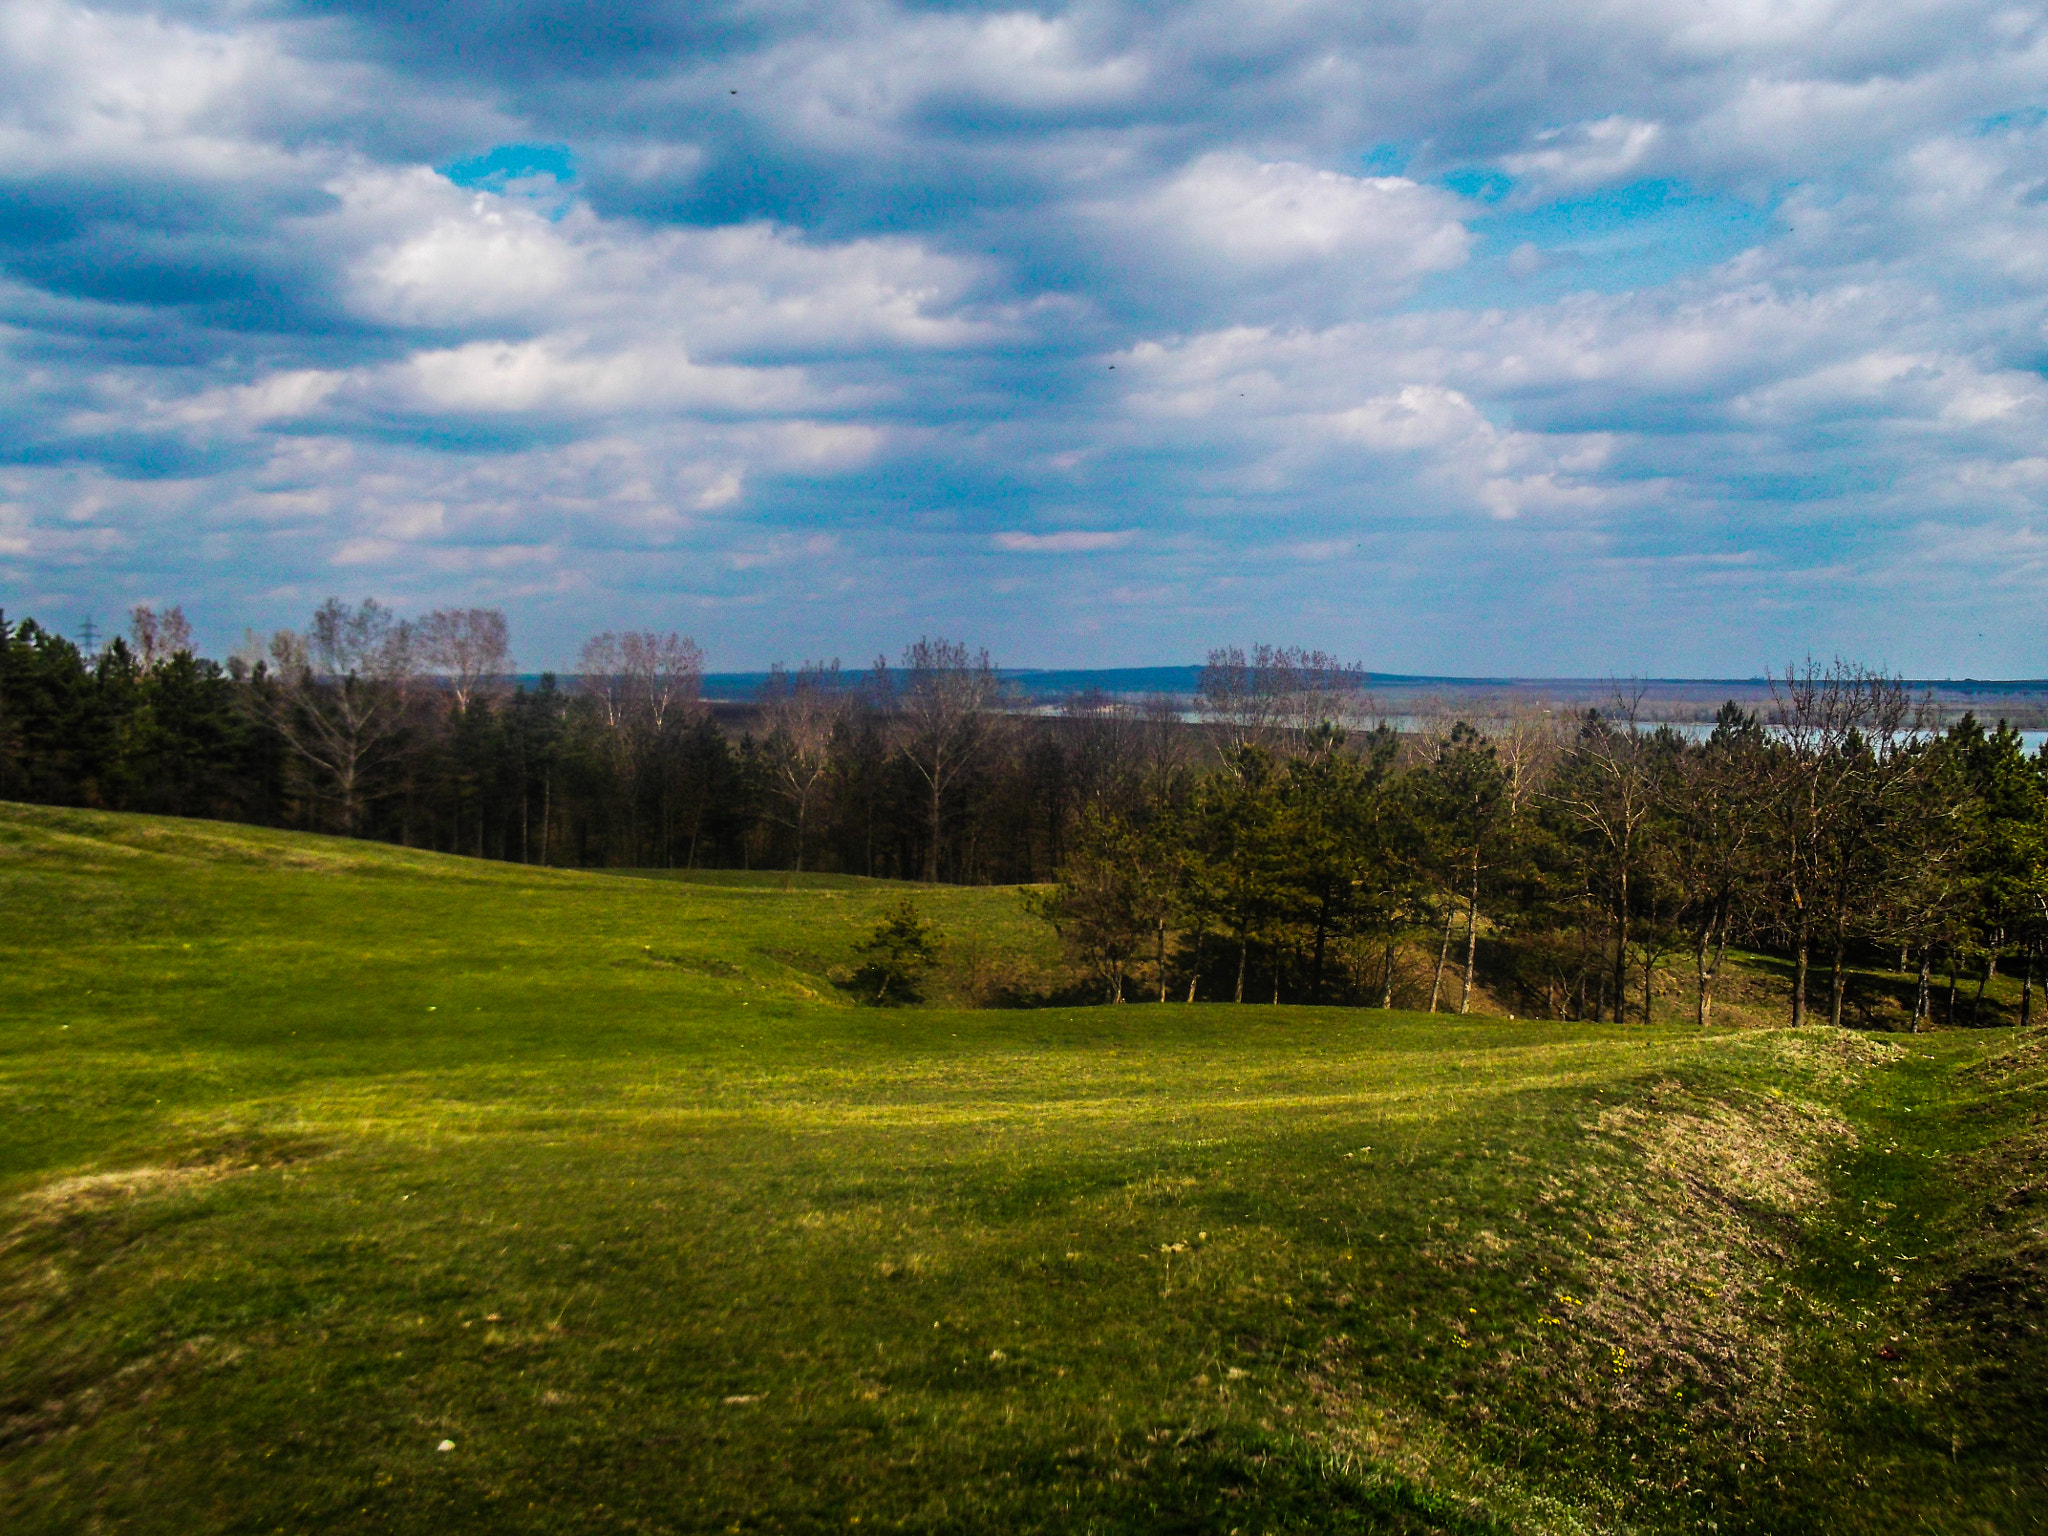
<point x="251" y="337"/>
<point x="1280" y="237"/>
<point x="866" y="79"/>
<point x="437" y="256"/>
<point x="1506" y="473"/>
<point x="721" y="492"/>
<point x="1610" y="150"/>
<point x="1276" y="215"/>
<point x="557" y="375"/>
<point x="1071" y="541"/>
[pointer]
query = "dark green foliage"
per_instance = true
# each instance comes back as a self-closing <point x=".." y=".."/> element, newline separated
<point x="1116" y="894"/>
<point x="896" y="958"/>
<point x="104" y="731"/>
<point x="1578" y="874"/>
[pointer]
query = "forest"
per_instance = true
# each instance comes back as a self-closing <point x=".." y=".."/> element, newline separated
<point x="1272" y="839"/>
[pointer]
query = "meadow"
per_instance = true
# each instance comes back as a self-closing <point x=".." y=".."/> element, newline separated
<point x="345" y="1187"/>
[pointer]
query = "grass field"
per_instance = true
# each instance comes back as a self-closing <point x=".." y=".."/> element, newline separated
<point x="320" y="1157"/>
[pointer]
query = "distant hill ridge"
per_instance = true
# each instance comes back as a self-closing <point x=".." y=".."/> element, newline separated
<point x="1056" y="682"/>
<point x="1049" y="683"/>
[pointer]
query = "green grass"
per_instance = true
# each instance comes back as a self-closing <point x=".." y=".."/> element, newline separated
<point x="318" y="1154"/>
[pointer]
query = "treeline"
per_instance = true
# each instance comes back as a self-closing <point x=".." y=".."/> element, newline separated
<point x="1590" y="857"/>
<point x="1275" y="843"/>
<point x="413" y="731"/>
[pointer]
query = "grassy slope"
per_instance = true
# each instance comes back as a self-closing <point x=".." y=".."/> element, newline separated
<point x="317" y="1154"/>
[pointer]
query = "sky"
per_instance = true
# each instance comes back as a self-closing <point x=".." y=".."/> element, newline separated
<point x="1560" y="337"/>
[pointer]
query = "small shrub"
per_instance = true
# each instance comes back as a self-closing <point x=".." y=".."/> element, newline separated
<point x="902" y="949"/>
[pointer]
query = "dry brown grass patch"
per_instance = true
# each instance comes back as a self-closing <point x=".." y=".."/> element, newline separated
<point x="1698" y="1210"/>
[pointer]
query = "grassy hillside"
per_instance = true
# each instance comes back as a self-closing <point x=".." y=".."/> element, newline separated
<point x="319" y="1156"/>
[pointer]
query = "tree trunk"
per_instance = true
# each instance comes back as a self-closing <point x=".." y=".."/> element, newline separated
<point x="1990" y="973"/>
<point x="1720" y="953"/>
<point x="931" y="853"/>
<point x="1471" y="937"/>
<point x="1649" y="964"/>
<point x="1801" y="955"/>
<point x="1387" y="977"/>
<point x="1835" y="986"/>
<point x="1244" y="944"/>
<point x="1195" y="966"/>
<point x="1704" y="1006"/>
<point x="547" y="794"/>
<point x="1159" y="960"/>
<point x="1315" y="982"/>
<point x="2027" y="989"/>
<point x="1921" y="1000"/>
<point x="1621" y="953"/>
<point x="1949" y="1013"/>
<point x="1443" y="956"/>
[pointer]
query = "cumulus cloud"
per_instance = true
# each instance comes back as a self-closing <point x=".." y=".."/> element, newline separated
<point x="1285" y="234"/>
<point x="1592" y="154"/>
<point x="1070" y="541"/>
<point x="802" y="297"/>
<point x="434" y="256"/>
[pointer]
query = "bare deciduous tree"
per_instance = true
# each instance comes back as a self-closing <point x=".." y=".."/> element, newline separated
<point x="158" y="636"/>
<point x="471" y="647"/>
<point x="801" y="715"/>
<point x="664" y="673"/>
<point x="646" y="686"/>
<point x="1835" y="727"/>
<point x="642" y="680"/>
<point x="945" y="701"/>
<point x="1712" y="861"/>
<point x="1107" y="735"/>
<point x="1608" y="789"/>
<point x="1274" y="698"/>
<point x="341" y="691"/>
<point x="601" y="676"/>
<point x="1163" y="742"/>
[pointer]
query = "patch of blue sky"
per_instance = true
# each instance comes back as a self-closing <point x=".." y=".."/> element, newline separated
<point x="2019" y="117"/>
<point x="1479" y="184"/>
<point x="1640" y="236"/>
<point x="538" y="171"/>
<point x="1386" y="160"/>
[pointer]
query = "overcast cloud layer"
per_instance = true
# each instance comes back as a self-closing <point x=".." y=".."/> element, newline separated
<point x="1672" y="337"/>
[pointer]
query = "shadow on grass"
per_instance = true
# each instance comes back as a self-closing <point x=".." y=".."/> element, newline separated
<point x="763" y="879"/>
<point x="1198" y="1480"/>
